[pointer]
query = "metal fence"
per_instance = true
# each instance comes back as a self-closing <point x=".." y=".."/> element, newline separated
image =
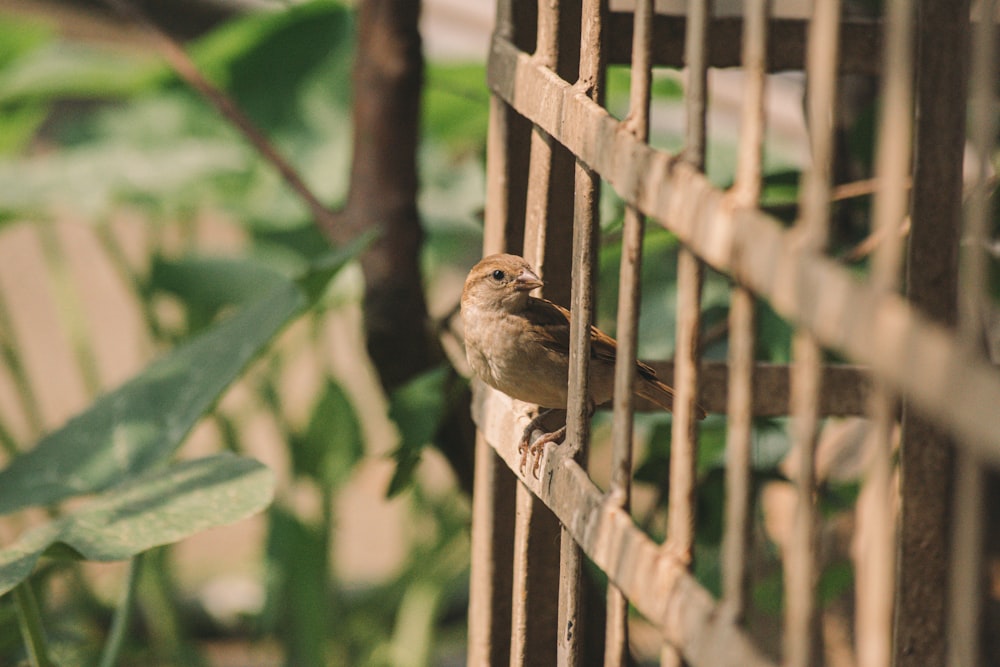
<point x="914" y="346"/>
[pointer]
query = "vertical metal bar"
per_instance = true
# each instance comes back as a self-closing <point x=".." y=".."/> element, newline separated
<point x="578" y="409"/>
<point x="630" y="269"/>
<point x="535" y="577"/>
<point x="492" y="557"/>
<point x="742" y="321"/>
<point x="926" y="453"/>
<point x="875" y="565"/>
<point x="491" y="570"/>
<point x="801" y="644"/>
<point x="549" y="223"/>
<point x="537" y="531"/>
<point x="965" y="595"/>
<point x="506" y="150"/>
<point x="690" y="273"/>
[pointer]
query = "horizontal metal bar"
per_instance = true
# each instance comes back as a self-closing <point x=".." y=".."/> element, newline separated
<point x="845" y="388"/>
<point x="657" y="584"/>
<point x="861" y="39"/>
<point x="914" y="356"/>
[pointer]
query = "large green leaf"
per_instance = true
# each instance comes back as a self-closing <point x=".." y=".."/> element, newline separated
<point x="264" y="59"/>
<point x="143" y="422"/>
<point x="206" y="285"/>
<point x="161" y="506"/>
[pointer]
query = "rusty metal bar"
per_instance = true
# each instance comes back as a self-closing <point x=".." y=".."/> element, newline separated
<point x="845" y="388"/>
<point x="876" y="530"/>
<point x="658" y="585"/>
<point x="493" y="501"/>
<point x="578" y="409"/>
<point x="965" y="581"/>
<point x="801" y="640"/>
<point x="806" y="288"/>
<point x="860" y="36"/>
<point x="491" y="558"/>
<point x="687" y="351"/>
<point x="549" y="223"/>
<point x="535" y="606"/>
<point x="534" y="609"/>
<point x="616" y="653"/>
<point x="742" y="322"/>
<point x="926" y="452"/>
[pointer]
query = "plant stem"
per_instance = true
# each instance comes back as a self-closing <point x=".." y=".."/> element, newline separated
<point x="157" y="599"/>
<point x="123" y="613"/>
<point x="30" y="620"/>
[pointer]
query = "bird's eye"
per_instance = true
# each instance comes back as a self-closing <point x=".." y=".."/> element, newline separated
<point x="498" y="275"/>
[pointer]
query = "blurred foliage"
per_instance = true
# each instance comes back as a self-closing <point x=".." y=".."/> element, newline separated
<point x="97" y="130"/>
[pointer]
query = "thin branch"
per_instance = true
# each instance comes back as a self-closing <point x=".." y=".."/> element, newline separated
<point x="188" y="70"/>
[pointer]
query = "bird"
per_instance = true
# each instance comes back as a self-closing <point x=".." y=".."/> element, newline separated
<point x="519" y="345"/>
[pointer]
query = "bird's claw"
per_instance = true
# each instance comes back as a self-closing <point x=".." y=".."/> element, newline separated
<point x="536" y="449"/>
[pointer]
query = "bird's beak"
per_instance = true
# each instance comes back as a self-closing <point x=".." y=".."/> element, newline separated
<point x="527" y="281"/>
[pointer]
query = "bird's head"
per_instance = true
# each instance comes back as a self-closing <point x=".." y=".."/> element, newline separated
<point x="500" y="281"/>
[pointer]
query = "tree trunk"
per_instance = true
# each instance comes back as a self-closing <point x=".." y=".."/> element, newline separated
<point x="388" y="76"/>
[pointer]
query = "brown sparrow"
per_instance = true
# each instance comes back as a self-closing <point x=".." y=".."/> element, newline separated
<point x="519" y="344"/>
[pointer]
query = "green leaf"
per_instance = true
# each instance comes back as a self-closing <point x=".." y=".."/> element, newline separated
<point x="93" y="178"/>
<point x="206" y="285"/>
<point x="162" y="506"/>
<point x="18" y="124"/>
<point x="18" y="37"/>
<point x="836" y="580"/>
<point x="264" y="59"/>
<point x="300" y="601"/>
<point x="417" y="408"/>
<point x="64" y="69"/>
<point x="323" y="268"/>
<point x="143" y="422"/>
<point x="332" y="443"/>
<point x="455" y="105"/>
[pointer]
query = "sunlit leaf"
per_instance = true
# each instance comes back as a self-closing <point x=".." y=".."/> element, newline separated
<point x="143" y="422"/>
<point x="455" y="105"/>
<point x="19" y="36"/>
<point x="162" y="506"/>
<point x="264" y="59"/>
<point x="70" y="70"/>
<point x="91" y="179"/>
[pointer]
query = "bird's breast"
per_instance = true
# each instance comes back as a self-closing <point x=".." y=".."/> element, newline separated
<point x="505" y="355"/>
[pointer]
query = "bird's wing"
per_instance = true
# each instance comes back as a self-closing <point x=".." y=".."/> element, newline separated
<point x="553" y="332"/>
<point x="549" y="324"/>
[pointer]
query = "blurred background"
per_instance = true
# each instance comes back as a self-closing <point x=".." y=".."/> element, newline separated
<point x="134" y="216"/>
